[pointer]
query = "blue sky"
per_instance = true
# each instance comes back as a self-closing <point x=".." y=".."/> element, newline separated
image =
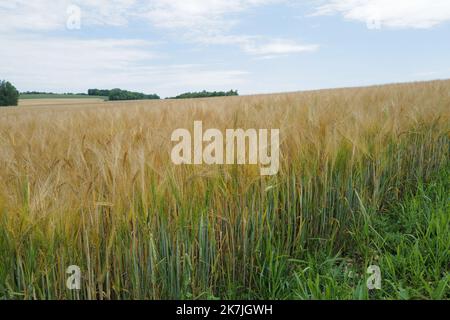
<point x="256" y="46"/>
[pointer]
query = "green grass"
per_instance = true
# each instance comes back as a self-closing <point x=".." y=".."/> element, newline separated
<point x="409" y="242"/>
<point x="59" y="96"/>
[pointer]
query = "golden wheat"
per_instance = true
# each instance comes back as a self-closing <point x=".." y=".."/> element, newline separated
<point x="94" y="185"/>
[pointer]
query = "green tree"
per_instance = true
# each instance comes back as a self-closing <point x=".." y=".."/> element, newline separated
<point x="206" y="94"/>
<point x="9" y="96"/>
<point x="118" y="94"/>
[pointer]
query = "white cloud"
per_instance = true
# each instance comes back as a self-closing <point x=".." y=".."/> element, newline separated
<point x="108" y="12"/>
<point x="198" y="14"/>
<point x="195" y="21"/>
<point x="278" y="47"/>
<point x="259" y="45"/>
<point x="419" y="14"/>
<point x="58" y="64"/>
<point x="44" y="15"/>
<point x="42" y="52"/>
<point x="49" y="15"/>
<point x="38" y="15"/>
<point x="209" y="22"/>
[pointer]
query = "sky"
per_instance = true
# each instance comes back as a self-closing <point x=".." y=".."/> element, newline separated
<point x="255" y="46"/>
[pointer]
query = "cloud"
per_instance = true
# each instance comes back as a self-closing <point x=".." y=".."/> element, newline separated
<point x="43" y="52"/>
<point x="59" y="64"/>
<point x="210" y="22"/>
<point x="50" y="15"/>
<point x="46" y="15"/>
<point x="259" y="45"/>
<point x="399" y="14"/>
<point x="278" y="47"/>
<point x="211" y="15"/>
<point x="193" y="21"/>
<point x="38" y="15"/>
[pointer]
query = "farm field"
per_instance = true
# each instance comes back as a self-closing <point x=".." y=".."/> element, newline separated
<point x="42" y="96"/>
<point x="59" y="102"/>
<point x="364" y="180"/>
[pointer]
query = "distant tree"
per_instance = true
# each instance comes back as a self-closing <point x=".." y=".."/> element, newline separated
<point x="206" y="94"/>
<point x="118" y="94"/>
<point x="97" y="92"/>
<point x="38" y="92"/>
<point x="9" y="96"/>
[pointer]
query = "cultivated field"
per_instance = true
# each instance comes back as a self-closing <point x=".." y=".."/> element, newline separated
<point x="53" y="96"/>
<point x="363" y="181"/>
<point x="59" y="102"/>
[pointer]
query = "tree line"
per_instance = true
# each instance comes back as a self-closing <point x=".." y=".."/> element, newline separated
<point x="119" y="94"/>
<point x="206" y="94"/>
<point x="9" y="95"/>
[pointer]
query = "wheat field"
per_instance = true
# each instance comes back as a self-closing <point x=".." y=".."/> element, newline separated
<point x="91" y="183"/>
